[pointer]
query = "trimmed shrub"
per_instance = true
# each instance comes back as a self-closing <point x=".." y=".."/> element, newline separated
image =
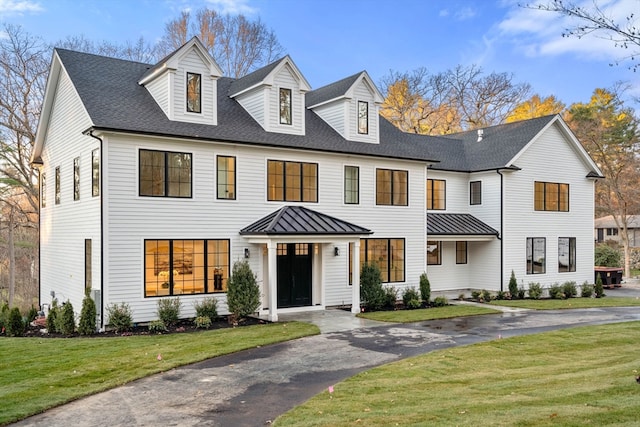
<point x="15" y="325"/>
<point x="586" y="291"/>
<point x="502" y="295"/>
<point x="411" y="298"/>
<point x="425" y="289"/>
<point x="390" y="297"/>
<point x="569" y="289"/>
<point x="169" y="310"/>
<point x="66" y="321"/>
<point x="513" y="286"/>
<point x="120" y="317"/>
<point x="535" y="290"/>
<point x="598" y="288"/>
<point x="87" y="324"/>
<point x="555" y="291"/>
<point x="202" y="322"/>
<point x="31" y="315"/>
<point x="372" y="295"/>
<point x="243" y="292"/>
<point x="475" y="295"/>
<point x="440" y="302"/>
<point x="606" y="256"/>
<point x="52" y="317"/>
<point x="207" y="307"/>
<point x="4" y="315"/>
<point x="521" y="292"/>
<point x="157" y="327"/>
<point x="485" y="296"/>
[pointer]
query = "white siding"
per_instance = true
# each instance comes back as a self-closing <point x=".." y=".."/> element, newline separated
<point x="522" y="221"/>
<point x="255" y="104"/>
<point x="193" y="63"/>
<point x="133" y="219"/>
<point x="159" y="89"/>
<point x="64" y="227"/>
<point x="286" y="79"/>
<point x="334" y="114"/>
<point x="362" y="93"/>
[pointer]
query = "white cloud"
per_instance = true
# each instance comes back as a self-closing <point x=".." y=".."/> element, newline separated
<point x="443" y="13"/>
<point x="465" y="13"/>
<point x="539" y="33"/>
<point x="233" y="7"/>
<point x="9" y="7"/>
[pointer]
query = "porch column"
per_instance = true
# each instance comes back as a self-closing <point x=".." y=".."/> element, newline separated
<point x="355" y="280"/>
<point x="272" y="252"/>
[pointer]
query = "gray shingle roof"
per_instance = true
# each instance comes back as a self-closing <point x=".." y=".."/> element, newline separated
<point x="114" y="101"/>
<point x="443" y="224"/>
<point x="331" y="91"/>
<point x="253" y="78"/>
<point x="301" y="220"/>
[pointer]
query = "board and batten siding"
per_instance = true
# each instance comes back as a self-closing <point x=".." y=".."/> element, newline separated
<point x="64" y="227"/>
<point x="132" y="219"/>
<point x="522" y="220"/>
<point x="192" y="63"/>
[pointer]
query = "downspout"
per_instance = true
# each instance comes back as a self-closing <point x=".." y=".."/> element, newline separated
<point x="501" y="230"/>
<point x="101" y="234"/>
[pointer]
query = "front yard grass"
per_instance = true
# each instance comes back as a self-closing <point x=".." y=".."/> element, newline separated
<point x="40" y="373"/>
<point x="559" y="304"/>
<point x="419" y="315"/>
<point x="573" y="377"/>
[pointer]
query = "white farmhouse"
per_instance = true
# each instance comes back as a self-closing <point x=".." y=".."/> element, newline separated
<point x="155" y="179"/>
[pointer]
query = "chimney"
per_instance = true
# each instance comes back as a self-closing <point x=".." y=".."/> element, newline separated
<point x="480" y="134"/>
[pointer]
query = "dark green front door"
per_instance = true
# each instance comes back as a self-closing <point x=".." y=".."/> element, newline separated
<point x="294" y="274"/>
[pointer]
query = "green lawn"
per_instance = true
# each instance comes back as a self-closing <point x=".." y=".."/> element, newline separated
<point x="409" y="316"/>
<point x="574" y="377"/>
<point x="40" y="373"/>
<point x="558" y="304"/>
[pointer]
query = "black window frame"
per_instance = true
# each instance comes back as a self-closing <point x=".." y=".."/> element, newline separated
<point x="462" y="254"/>
<point x="364" y="259"/>
<point x="363" y="119"/>
<point x="475" y="193"/>
<point x="431" y="193"/>
<point x="228" y="194"/>
<point x="531" y="250"/>
<point x="57" y="195"/>
<point x="166" y="184"/>
<point x="95" y="172"/>
<point x="76" y="178"/>
<point x="348" y="190"/>
<point x="88" y="265"/>
<point x="210" y="285"/>
<point x="189" y="103"/>
<point x="438" y="244"/>
<point x="304" y="179"/>
<point x="285" y="104"/>
<point x="572" y="256"/>
<point x="543" y="200"/>
<point x="393" y="193"/>
<point x="43" y="189"/>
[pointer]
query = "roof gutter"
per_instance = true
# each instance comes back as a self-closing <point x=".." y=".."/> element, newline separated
<point x="90" y="133"/>
<point x="499" y="236"/>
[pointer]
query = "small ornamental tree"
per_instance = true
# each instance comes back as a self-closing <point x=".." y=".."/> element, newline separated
<point x="243" y="292"/>
<point x="425" y="289"/>
<point x="52" y="317"/>
<point x="372" y="294"/>
<point x="66" y="322"/>
<point x="169" y="310"/>
<point x="513" y="286"/>
<point x="87" y="325"/>
<point x="599" y="287"/>
<point x="15" y="325"/>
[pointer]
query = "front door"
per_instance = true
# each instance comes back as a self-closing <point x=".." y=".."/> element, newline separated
<point x="294" y="274"/>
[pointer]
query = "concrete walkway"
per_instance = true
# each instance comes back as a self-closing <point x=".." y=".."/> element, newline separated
<point x="253" y="387"/>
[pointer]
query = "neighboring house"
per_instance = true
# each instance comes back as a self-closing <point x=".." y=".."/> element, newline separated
<point x="155" y="179"/>
<point x="606" y="230"/>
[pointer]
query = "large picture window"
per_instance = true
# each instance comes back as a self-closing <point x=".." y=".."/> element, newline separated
<point x="177" y="267"/>
<point x="226" y="174"/>
<point x="566" y="254"/>
<point x="292" y="181"/>
<point x="351" y="185"/>
<point x="285" y="106"/>
<point x="436" y="194"/>
<point x="363" y="117"/>
<point x="475" y="193"/>
<point x="165" y="174"/>
<point x="551" y="196"/>
<point x="392" y="187"/>
<point x="194" y="96"/>
<point x="434" y="252"/>
<point x="536" y="255"/>
<point x="76" y="178"/>
<point x="387" y="254"/>
<point x="57" y="186"/>
<point x="95" y="172"/>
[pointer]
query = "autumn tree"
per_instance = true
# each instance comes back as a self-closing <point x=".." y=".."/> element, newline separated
<point x="141" y="50"/>
<point x="535" y="107"/>
<point x="594" y="19"/>
<point x="237" y="44"/>
<point x="609" y="132"/>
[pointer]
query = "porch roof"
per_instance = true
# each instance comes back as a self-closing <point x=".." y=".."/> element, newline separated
<point x="298" y="220"/>
<point x="462" y="225"/>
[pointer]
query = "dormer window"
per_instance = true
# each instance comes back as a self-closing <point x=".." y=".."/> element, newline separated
<point x="285" y="106"/>
<point x="363" y="117"/>
<point x="194" y="86"/>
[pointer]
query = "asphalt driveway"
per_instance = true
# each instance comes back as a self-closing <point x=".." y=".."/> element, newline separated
<point x="253" y="387"/>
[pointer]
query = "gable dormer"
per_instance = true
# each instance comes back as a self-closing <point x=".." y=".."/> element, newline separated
<point x="351" y="106"/>
<point x="274" y="96"/>
<point x="184" y="84"/>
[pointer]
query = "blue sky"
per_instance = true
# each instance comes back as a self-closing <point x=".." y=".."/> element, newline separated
<point x="332" y="39"/>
